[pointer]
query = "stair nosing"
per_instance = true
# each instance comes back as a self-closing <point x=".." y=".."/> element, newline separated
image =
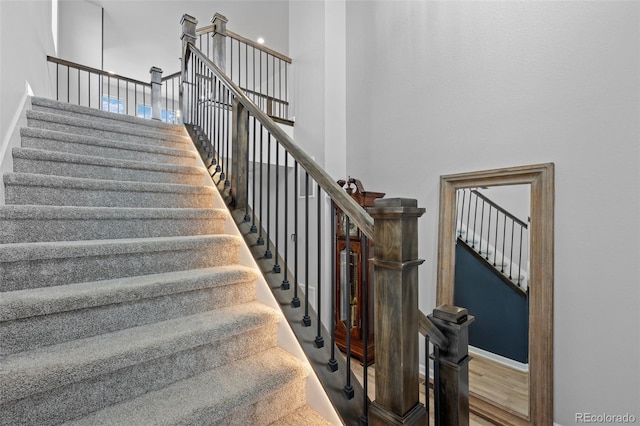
<point x="66" y="157"/>
<point x="18" y="252"/>
<point x="110" y="128"/>
<point x="46" y="212"/>
<point x="52" y="366"/>
<point x="21" y="304"/>
<point x="129" y="119"/>
<point x="52" y="181"/>
<point x="38" y="133"/>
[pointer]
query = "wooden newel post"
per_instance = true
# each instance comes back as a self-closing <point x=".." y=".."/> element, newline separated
<point x="188" y="23"/>
<point x="219" y="41"/>
<point x="240" y="148"/>
<point x="454" y="323"/>
<point x="397" y="399"/>
<point x="156" y="93"/>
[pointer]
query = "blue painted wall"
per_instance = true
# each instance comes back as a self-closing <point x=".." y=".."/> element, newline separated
<point x="501" y="325"/>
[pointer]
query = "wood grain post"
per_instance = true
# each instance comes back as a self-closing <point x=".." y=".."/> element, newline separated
<point x="219" y="41"/>
<point x="396" y="306"/>
<point x="454" y="323"/>
<point x="240" y="149"/>
<point x="156" y="93"/>
<point x="188" y="23"/>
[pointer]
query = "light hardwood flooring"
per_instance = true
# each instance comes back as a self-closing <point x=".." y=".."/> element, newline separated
<point x="488" y="380"/>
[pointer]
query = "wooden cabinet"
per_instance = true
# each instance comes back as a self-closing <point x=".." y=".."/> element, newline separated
<point x="352" y="266"/>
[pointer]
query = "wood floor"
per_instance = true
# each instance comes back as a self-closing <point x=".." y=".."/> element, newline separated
<point x="488" y="380"/>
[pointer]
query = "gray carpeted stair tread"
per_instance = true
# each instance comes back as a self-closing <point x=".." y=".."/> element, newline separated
<point x="65" y="108"/>
<point x="44" y="120"/>
<point x="302" y="416"/>
<point x="230" y="394"/>
<point x="30" y="188"/>
<point x="42" y="264"/>
<point x="43" y="369"/>
<point x="67" y="142"/>
<point x="29" y="160"/>
<point x="49" y="300"/>
<point x="40" y="317"/>
<point x="36" y="223"/>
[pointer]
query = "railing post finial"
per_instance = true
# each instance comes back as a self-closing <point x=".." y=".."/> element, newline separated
<point x="396" y="262"/>
<point x="156" y="93"/>
<point x="219" y="41"/>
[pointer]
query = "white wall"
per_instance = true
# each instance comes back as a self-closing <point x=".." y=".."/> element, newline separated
<point x="436" y="88"/>
<point x="26" y="40"/>
<point x="80" y="32"/>
<point x="144" y="33"/>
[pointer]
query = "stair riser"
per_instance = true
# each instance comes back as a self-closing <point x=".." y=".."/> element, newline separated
<point x="65" y="196"/>
<point x="267" y="410"/>
<point x="117" y="121"/>
<point x="176" y="142"/>
<point x="89" y="171"/>
<point x="29" y="230"/>
<point x="24" y="274"/>
<point x="106" y="152"/>
<point x="34" y="332"/>
<point x="83" y="397"/>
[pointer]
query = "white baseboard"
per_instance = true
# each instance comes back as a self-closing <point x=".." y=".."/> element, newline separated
<point x="12" y="138"/>
<point x="500" y="359"/>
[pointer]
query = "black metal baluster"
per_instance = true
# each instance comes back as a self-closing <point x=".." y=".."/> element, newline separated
<point x="319" y="340"/>
<point x="247" y="217"/>
<point x="475" y="218"/>
<point x="254" y="229"/>
<point x="504" y="239"/>
<point x="126" y="102"/>
<point x="464" y="195"/>
<point x="306" y="319"/>
<point x="333" y="364"/>
<point x="495" y="255"/>
<point x="436" y="385"/>
<point x="520" y="257"/>
<point x="348" y="389"/>
<point x="57" y="81"/>
<point x="227" y="108"/>
<point x="108" y="92"/>
<point x="261" y="216"/>
<point x="466" y="238"/>
<point x="135" y="96"/>
<point x="427" y="403"/>
<point x="218" y="131"/>
<point x="276" y="266"/>
<point x="78" y="86"/>
<point x="118" y="93"/>
<point x="481" y="227"/>
<point x="68" y="72"/>
<point x="295" y="302"/>
<point x="513" y="224"/>
<point x="285" y="281"/>
<point x="365" y="329"/>
<point x="89" y="89"/>
<point x="286" y="88"/>
<point x="231" y="58"/>
<point x="489" y="233"/>
<point x="267" y="252"/>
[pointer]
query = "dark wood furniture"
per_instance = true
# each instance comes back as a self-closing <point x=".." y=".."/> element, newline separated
<point x="358" y="264"/>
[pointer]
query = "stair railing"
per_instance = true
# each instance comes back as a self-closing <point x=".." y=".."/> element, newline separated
<point x="86" y="86"/>
<point x="268" y="182"/>
<point x="261" y="72"/>
<point x="497" y="235"/>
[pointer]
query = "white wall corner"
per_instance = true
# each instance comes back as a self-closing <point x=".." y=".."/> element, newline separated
<point x="12" y="138"/>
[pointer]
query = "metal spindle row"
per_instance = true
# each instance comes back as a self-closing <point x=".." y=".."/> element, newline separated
<point x="80" y="85"/>
<point x="495" y="234"/>
<point x="289" y="216"/>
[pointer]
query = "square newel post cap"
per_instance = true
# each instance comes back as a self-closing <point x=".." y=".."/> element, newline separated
<point x="188" y="26"/>
<point x="156" y="75"/>
<point x="395" y="207"/>
<point x="219" y="24"/>
<point x="450" y="313"/>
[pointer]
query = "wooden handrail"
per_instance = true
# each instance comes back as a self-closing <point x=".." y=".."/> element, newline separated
<point x="426" y="328"/>
<point x="94" y="70"/>
<point x="262" y="95"/>
<point x="347" y="204"/>
<point x="209" y="28"/>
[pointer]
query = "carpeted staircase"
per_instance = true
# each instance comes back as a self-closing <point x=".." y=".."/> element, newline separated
<point x="121" y="299"/>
